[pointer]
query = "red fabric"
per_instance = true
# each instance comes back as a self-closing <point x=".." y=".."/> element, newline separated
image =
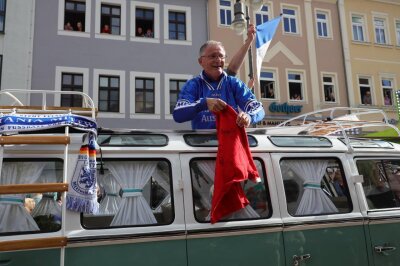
<point x="234" y="165"/>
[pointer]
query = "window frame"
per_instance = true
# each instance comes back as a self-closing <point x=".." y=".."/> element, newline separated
<point x="167" y="78"/>
<point x="275" y="79"/>
<point x="382" y="18"/>
<point x="73" y="70"/>
<point x="156" y="21"/>
<point x="3" y="13"/>
<point x="327" y="21"/>
<point x="334" y="83"/>
<point x="397" y="31"/>
<point x="123" y="7"/>
<point x="370" y="86"/>
<point x="261" y="13"/>
<point x="296" y="17"/>
<point x="157" y="96"/>
<point x="188" y="23"/>
<point x="363" y="26"/>
<point x="225" y="10"/>
<point x="302" y="82"/>
<point x="110" y="72"/>
<point x="391" y="88"/>
<point x="61" y="18"/>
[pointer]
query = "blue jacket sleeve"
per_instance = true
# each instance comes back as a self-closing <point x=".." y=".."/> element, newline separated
<point x="189" y="103"/>
<point x="247" y="101"/>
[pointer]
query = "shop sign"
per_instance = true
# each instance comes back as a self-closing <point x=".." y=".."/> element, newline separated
<point x="284" y="108"/>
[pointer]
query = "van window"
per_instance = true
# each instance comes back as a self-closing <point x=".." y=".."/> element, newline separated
<point x="132" y="193"/>
<point x="381" y="182"/>
<point x="30" y="212"/>
<point x="202" y="176"/>
<point x="315" y="186"/>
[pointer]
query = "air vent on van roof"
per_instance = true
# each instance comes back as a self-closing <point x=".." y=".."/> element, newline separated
<point x="368" y="143"/>
<point x="210" y="140"/>
<point x="300" y="141"/>
<point x="133" y="140"/>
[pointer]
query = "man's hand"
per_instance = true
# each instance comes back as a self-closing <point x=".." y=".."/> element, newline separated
<point x="243" y="120"/>
<point x="251" y="32"/>
<point x="215" y="104"/>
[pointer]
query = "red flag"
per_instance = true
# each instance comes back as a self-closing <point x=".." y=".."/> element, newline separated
<point x="234" y="165"/>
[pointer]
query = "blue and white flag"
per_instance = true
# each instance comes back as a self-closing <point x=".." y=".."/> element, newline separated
<point x="264" y="34"/>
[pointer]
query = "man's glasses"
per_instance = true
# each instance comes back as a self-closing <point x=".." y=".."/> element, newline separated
<point x="215" y="56"/>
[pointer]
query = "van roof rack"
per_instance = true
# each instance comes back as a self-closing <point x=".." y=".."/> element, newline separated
<point x="337" y="121"/>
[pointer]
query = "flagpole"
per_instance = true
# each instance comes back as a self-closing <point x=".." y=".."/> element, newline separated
<point x="250" y="53"/>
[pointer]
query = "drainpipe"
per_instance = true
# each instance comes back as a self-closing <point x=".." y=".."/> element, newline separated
<point x="346" y="54"/>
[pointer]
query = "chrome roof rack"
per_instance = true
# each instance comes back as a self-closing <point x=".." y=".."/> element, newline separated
<point x="327" y="122"/>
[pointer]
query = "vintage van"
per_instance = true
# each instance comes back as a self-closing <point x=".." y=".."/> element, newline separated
<point x="325" y="198"/>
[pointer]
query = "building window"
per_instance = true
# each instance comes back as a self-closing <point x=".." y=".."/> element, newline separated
<point x="322" y="19"/>
<point x="144" y="95"/>
<point x="1" y="69"/>
<point x="263" y="15"/>
<point x="74" y="16"/>
<point x="177" y="25"/>
<point x="109" y="88"/>
<point x="2" y="15"/>
<point x="110" y="19"/>
<point x="398" y="32"/>
<point x="328" y="82"/>
<point x="144" y="22"/>
<point x="71" y="82"/>
<point x="387" y="89"/>
<point x="290" y="20"/>
<point x="365" y="90"/>
<point x="295" y="82"/>
<point x="267" y="85"/>
<point x="358" y="28"/>
<point x="225" y="12"/>
<point x="380" y="31"/>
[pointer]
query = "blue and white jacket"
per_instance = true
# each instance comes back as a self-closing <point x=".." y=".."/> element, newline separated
<point x="192" y="104"/>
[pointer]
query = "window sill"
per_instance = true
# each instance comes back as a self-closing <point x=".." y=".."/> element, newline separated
<point x="144" y="116"/>
<point x="110" y="115"/>
<point x="145" y="39"/>
<point x="110" y="36"/>
<point x="177" y="42"/>
<point x="74" y="33"/>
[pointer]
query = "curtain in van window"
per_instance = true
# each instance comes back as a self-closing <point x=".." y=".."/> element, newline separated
<point x="110" y="203"/>
<point x="313" y="200"/>
<point x="48" y="204"/>
<point x="132" y="177"/>
<point x="13" y="215"/>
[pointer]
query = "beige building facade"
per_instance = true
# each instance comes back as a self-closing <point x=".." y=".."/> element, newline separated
<point x="303" y="69"/>
<point x="372" y="53"/>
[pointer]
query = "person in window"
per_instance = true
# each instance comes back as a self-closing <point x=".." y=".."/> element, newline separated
<point x="270" y="93"/>
<point x="296" y="97"/>
<point x="79" y="26"/>
<point x="106" y="29"/>
<point x="330" y="97"/>
<point x="149" y="33"/>
<point x="139" y="32"/>
<point x="367" y="98"/>
<point x="213" y="90"/>
<point x="387" y="99"/>
<point x="68" y="26"/>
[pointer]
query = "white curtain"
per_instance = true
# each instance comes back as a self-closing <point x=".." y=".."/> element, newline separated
<point x="110" y="203"/>
<point x="200" y="184"/>
<point x="13" y="215"/>
<point x="132" y="177"/>
<point x="313" y="200"/>
<point x="48" y="204"/>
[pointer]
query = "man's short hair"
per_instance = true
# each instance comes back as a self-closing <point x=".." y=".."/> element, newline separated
<point x="209" y="43"/>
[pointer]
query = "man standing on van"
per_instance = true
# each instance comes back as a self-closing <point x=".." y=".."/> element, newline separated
<point x="213" y="90"/>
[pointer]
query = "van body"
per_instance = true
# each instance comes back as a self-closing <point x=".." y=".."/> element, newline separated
<point x="322" y="200"/>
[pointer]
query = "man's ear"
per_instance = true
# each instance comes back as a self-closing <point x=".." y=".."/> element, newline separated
<point x="199" y="60"/>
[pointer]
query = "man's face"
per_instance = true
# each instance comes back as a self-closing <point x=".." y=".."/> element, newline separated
<point x="213" y="60"/>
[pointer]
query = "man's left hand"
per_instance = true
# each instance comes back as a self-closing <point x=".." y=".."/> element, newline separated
<point x="243" y="120"/>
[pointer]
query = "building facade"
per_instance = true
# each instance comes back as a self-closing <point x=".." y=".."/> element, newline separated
<point x="372" y="53"/>
<point x="133" y="76"/>
<point x="16" y="37"/>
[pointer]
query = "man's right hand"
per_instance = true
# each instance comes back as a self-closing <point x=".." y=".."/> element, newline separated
<point x="215" y="104"/>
